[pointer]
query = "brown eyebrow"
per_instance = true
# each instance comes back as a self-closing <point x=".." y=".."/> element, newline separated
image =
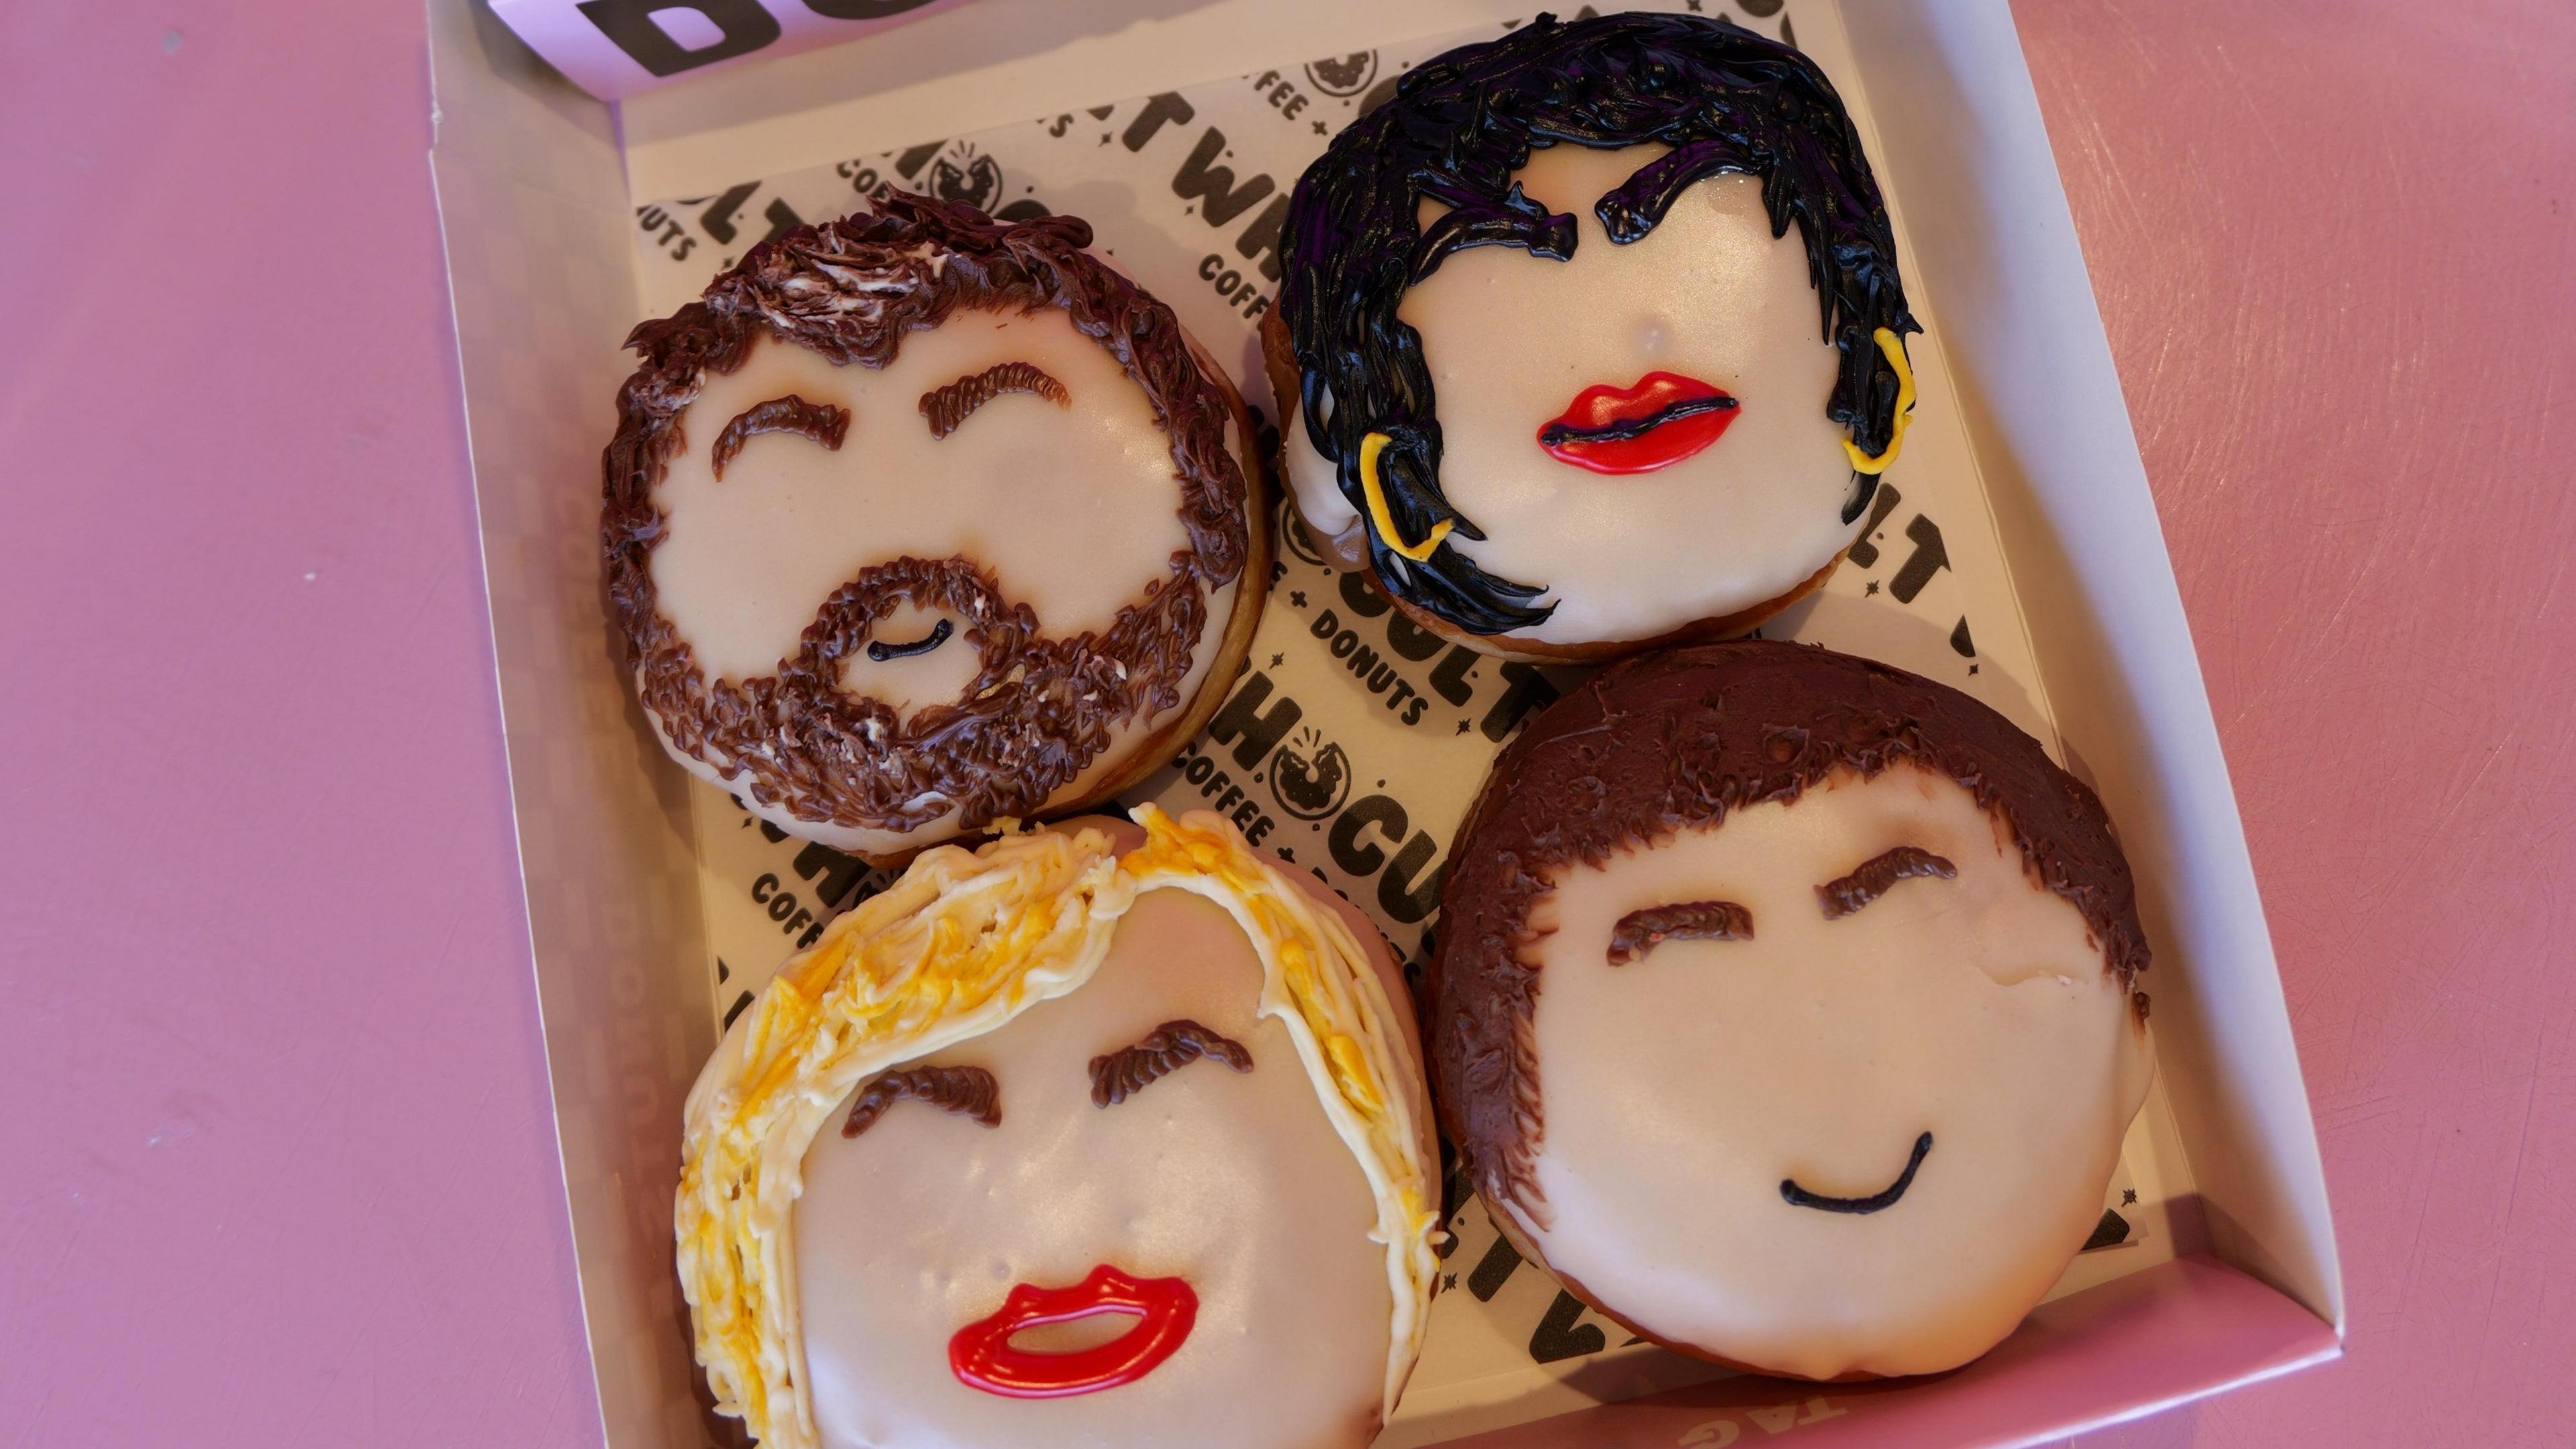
<point x="822" y="422"/>
<point x="966" y="1091"/>
<point x="1166" y="1049"/>
<point x="949" y="405"/>
<point x="1873" y="877"/>
<point x="1641" y="931"/>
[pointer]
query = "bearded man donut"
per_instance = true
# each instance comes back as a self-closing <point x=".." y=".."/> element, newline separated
<point x="918" y="522"/>
<point x="1593" y="338"/>
<point x="1786" y="1008"/>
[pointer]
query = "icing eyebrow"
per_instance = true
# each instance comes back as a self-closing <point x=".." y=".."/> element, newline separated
<point x="1513" y="221"/>
<point x="1166" y="1049"/>
<point x="822" y="422"/>
<point x="1632" y="208"/>
<point x="948" y="405"/>
<point x="965" y="1091"/>
<point x="1641" y="931"/>
<point x="1876" y="874"/>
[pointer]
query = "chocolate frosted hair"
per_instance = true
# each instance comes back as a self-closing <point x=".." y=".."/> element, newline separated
<point x="1678" y="741"/>
<point x="1039" y="709"/>
<point x="1721" y="97"/>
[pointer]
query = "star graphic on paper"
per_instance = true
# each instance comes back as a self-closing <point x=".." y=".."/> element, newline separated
<point x="1972" y="669"/>
<point x="1287" y="855"/>
<point x="1448" y="1282"/>
<point x="2128" y="1195"/>
<point x="1278" y="659"/>
<point x="1297" y="597"/>
<point x="1462" y="726"/>
<point x="1104" y="138"/>
<point x="1694" y="5"/>
<point x="1319" y="128"/>
<point x="1873" y="588"/>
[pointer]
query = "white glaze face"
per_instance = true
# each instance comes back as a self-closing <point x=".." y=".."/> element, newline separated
<point x="1074" y="510"/>
<point x="1680" y="1090"/>
<point x="1512" y="339"/>
<point x="1235" y="1182"/>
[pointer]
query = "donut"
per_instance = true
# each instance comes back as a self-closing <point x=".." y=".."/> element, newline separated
<point x="1591" y="340"/>
<point x="1147" y="1076"/>
<point x="917" y="523"/>
<point x="1785" y="1007"/>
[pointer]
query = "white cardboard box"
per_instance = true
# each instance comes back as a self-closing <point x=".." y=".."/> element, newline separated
<point x="653" y="906"/>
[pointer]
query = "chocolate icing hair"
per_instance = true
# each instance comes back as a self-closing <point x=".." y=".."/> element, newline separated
<point x="1723" y="98"/>
<point x="1680" y="740"/>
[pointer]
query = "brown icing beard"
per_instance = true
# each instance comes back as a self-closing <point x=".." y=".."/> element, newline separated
<point x="1677" y="740"/>
<point x="1039" y="710"/>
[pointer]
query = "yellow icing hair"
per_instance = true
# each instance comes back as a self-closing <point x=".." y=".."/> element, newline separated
<point x="960" y="944"/>
<point x="1318" y="981"/>
<point x="1892" y="347"/>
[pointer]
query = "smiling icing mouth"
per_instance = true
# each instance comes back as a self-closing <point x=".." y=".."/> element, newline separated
<point x="880" y="651"/>
<point x="982" y="1356"/>
<point x="1799" y="1197"/>
<point x="1557" y="434"/>
<point x="1661" y="420"/>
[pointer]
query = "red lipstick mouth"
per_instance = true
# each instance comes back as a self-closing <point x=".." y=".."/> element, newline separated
<point x="982" y="1357"/>
<point x="1665" y="418"/>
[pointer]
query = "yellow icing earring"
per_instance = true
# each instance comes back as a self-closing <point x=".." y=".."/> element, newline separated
<point x="1374" y="444"/>
<point x="1892" y="347"/>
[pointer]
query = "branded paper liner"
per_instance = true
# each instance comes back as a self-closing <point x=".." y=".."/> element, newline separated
<point x="1353" y="743"/>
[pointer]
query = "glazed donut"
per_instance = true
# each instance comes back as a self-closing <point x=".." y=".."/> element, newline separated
<point x="1592" y="338"/>
<point x="1785" y="1008"/>
<point x="919" y="522"/>
<point x="1094" y="1073"/>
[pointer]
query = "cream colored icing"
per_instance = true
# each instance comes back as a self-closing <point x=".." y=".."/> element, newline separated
<point x="1074" y="510"/>
<point x="1679" y="1090"/>
<point x="1305" y="1234"/>
<point x="1231" y="1181"/>
<point x="1512" y="338"/>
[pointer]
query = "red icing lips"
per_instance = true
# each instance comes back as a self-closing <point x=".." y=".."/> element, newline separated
<point x="1164" y="1308"/>
<point x="1665" y="418"/>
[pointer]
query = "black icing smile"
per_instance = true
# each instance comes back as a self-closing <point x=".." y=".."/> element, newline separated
<point x="1799" y="1197"/>
<point x="881" y="651"/>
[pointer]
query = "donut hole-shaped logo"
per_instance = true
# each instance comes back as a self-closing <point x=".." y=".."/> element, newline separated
<point x="1310" y="775"/>
<point x="1343" y="75"/>
<point x="968" y="176"/>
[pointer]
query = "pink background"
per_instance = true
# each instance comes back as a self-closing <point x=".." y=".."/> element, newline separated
<point x="275" y="1164"/>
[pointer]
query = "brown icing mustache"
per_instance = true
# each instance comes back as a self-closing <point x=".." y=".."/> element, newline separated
<point x="1038" y="711"/>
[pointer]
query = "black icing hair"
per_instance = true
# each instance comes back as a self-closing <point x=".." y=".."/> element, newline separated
<point x="1723" y="98"/>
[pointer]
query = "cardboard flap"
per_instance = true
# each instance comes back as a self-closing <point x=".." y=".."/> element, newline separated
<point x="1958" y="119"/>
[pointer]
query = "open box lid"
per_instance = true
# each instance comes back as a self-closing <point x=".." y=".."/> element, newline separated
<point x="537" y="189"/>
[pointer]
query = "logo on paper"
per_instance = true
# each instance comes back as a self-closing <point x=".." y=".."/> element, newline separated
<point x="1310" y="775"/>
<point x="1346" y="75"/>
<point x="961" y="173"/>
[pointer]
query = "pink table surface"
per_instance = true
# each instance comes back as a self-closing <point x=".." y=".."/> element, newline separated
<point x="275" y="1163"/>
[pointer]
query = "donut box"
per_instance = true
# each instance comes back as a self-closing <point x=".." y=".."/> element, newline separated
<point x="2012" y="553"/>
